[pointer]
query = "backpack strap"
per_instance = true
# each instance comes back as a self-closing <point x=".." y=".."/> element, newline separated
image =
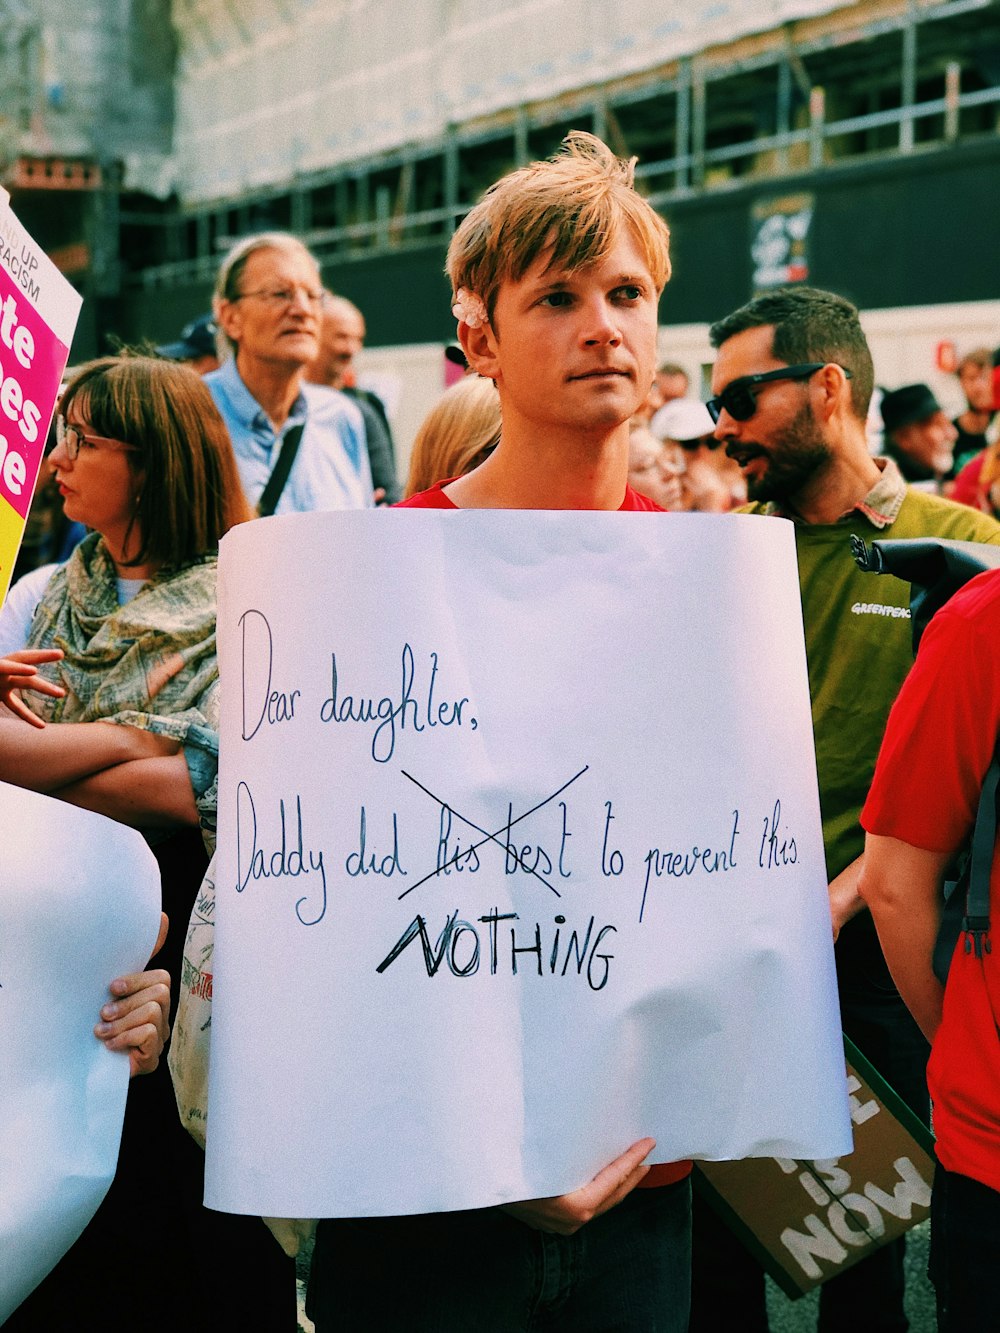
<point x="271" y="493"/>
<point x="976" y="924"/>
<point x="967" y="898"/>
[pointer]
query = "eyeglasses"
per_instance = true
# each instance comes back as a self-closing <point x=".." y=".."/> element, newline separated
<point x="71" y="438"/>
<point x="281" y="296"/>
<point x="738" y="397"/>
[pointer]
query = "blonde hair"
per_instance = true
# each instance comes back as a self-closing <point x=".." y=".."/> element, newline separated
<point x="460" y="430"/>
<point x="570" y="208"/>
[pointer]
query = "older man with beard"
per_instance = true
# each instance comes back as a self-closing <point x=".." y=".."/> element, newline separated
<point x="791" y="386"/>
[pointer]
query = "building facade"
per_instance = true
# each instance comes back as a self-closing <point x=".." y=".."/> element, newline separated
<point x="850" y="145"/>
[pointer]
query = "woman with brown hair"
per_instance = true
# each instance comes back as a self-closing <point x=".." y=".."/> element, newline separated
<point x="124" y="720"/>
<point x="144" y="461"/>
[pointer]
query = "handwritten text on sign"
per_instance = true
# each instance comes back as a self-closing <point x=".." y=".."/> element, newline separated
<point x="516" y="830"/>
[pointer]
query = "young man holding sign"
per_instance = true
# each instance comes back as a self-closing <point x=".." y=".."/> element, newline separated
<point x="556" y="273"/>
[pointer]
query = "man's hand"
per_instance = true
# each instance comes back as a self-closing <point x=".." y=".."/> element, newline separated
<point x="18" y="672"/>
<point x="565" y="1214"/>
<point x="137" y="1019"/>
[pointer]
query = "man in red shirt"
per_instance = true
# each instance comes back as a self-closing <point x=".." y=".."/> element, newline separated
<point x="557" y="274"/>
<point x="939" y="743"/>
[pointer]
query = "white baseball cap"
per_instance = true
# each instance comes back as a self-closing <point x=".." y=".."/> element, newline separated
<point x="682" y="419"/>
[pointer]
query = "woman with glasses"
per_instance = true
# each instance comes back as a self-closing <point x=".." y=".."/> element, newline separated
<point x="122" y="719"/>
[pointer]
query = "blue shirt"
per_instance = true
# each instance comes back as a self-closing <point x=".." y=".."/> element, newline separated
<point x="331" y="469"/>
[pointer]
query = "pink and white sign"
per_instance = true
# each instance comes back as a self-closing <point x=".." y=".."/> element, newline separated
<point x="38" y="314"/>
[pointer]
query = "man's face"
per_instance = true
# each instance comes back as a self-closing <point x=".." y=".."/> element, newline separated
<point x="929" y="442"/>
<point x="275" y="321"/>
<point x="342" y="336"/>
<point x="575" y="351"/>
<point x="977" y="385"/>
<point x="671" y="386"/>
<point x="781" y="447"/>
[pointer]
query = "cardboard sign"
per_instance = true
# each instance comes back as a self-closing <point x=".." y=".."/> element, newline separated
<point x="520" y="852"/>
<point x="806" y="1221"/>
<point x="79" y="905"/>
<point x="38" y="314"/>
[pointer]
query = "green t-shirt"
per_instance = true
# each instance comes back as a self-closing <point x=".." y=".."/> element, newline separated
<point x="859" y="648"/>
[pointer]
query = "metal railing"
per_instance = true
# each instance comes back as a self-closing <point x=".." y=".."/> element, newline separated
<point x="695" y="167"/>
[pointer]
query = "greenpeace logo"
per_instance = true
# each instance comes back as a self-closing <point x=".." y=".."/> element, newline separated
<point x="877" y="609"/>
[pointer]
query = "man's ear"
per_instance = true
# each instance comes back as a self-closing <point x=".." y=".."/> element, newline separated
<point x="833" y="390"/>
<point x="481" y="349"/>
<point x="227" y="316"/>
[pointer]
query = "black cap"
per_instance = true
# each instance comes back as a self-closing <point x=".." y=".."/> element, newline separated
<point x="913" y="402"/>
<point x="197" y="339"/>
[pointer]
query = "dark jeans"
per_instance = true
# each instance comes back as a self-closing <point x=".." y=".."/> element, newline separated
<point x="483" y="1271"/>
<point x="965" y="1249"/>
<point x="727" y="1284"/>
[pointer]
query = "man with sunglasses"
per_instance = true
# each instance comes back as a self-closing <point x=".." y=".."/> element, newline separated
<point x="791" y="387"/>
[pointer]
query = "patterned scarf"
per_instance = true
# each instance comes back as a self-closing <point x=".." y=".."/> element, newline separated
<point x="150" y="663"/>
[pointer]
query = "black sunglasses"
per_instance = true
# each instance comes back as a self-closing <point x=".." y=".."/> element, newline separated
<point x="738" y="397"/>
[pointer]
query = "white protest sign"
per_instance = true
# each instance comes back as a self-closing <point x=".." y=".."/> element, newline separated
<point x="520" y="858"/>
<point x="79" y="905"/>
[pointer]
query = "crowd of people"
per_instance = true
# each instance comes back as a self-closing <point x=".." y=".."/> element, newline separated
<point x="110" y="696"/>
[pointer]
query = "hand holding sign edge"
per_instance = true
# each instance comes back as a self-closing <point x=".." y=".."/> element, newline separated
<point x="137" y="1020"/>
<point x="565" y="1214"/>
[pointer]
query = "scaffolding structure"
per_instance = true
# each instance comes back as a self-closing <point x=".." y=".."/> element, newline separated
<point x="369" y="128"/>
<point x="86" y="116"/>
<point x="91" y="87"/>
<point x="141" y="137"/>
<point x="268" y="91"/>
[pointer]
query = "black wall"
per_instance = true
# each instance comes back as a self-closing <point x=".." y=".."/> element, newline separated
<point x="919" y="230"/>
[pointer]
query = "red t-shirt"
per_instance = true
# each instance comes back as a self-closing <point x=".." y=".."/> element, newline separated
<point x="966" y="488"/>
<point x="435" y="498"/>
<point x="938" y="744"/>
